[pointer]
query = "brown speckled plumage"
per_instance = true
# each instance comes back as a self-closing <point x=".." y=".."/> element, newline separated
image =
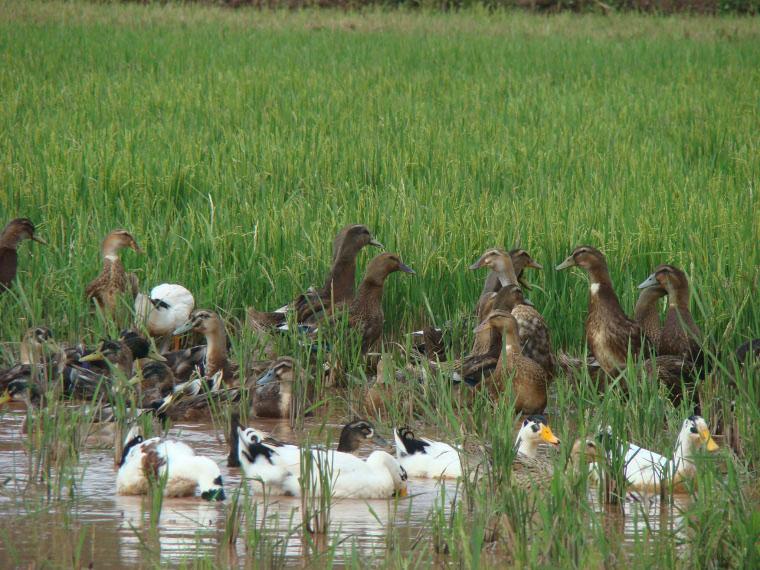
<point x="534" y="332"/>
<point x="647" y="314"/>
<point x="114" y="281"/>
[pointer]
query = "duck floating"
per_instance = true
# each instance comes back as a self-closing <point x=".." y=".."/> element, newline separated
<point x="148" y="462"/>
<point x="277" y="468"/>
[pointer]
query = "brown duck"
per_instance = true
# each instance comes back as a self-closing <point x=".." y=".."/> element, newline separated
<point x="273" y="392"/>
<point x="680" y="335"/>
<point x="339" y="284"/>
<point x="609" y="332"/>
<point x="647" y="313"/>
<point x="534" y="332"/>
<point x="209" y="358"/>
<point x="13" y="234"/>
<point x="529" y="380"/>
<point x="521" y="260"/>
<point x="365" y="314"/>
<point x="114" y="281"/>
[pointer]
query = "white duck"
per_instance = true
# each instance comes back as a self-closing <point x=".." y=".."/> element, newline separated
<point x="277" y="467"/>
<point x="166" y="309"/>
<point x="646" y="470"/>
<point x="151" y="460"/>
<point x="426" y="458"/>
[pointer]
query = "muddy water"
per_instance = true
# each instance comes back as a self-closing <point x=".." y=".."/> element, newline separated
<point x="96" y="526"/>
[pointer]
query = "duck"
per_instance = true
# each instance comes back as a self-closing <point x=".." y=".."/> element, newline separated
<point x="647" y="471"/>
<point x="529" y="380"/>
<point x="426" y="458"/>
<point x="337" y="290"/>
<point x="113" y="281"/>
<point x="13" y="234"/>
<point x="146" y="462"/>
<point x="168" y="307"/>
<point x="521" y="260"/>
<point x="273" y="392"/>
<point x="357" y="432"/>
<point x="38" y="359"/>
<point x="680" y="335"/>
<point x="529" y="470"/>
<point x="195" y="399"/>
<point x="91" y="375"/>
<point x="366" y="310"/>
<point x="365" y="313"/>
<point x="502" y="268"/>
<point x="534" y="334"/>
<point x="609" y="332"/>
<point x="209" y="358"/>
<point x="647" y="314"/>
<point x="276" y="467"/>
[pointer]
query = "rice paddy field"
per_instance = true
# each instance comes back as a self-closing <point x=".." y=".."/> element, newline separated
<point x="234" y="144"/>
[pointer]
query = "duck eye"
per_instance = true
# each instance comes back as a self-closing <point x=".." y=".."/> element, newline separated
<point x="694" y="429"/>
<point x="535" y="428"/>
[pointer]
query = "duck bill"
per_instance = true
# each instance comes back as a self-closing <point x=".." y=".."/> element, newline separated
<point x="96" y="356"/>
<point x="39" y="240"/>
<point x="135" y="247"/>
<point x="569" y="262"/>
<point x="477" y="265"/>
<point x="481" y="327"/>
<point x="267" y="378"/>
<point x="376" y="243"/>
<point x="154" y="355"/>
<point x="406" y="269"/>
<point x="548" y="436"/>
<point x="380" y="441"/>
<point x="182" y="329"/>
<point x="650" y="281"/>
<point x="5" y="398"/>
<point x="709" y="441"/>
<point x="402" y="492"/>
<point x="534" y="264"/>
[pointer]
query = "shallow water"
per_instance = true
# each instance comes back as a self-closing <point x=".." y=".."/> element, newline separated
<point x="98" y="527"/>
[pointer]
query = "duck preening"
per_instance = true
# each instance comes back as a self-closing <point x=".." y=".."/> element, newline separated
<point x="167" y="308"/>
<point x="12" y="235"/>
<point x="113" y="283"/>
<point x="277" y="467"/>
<point x="167" y="462"/>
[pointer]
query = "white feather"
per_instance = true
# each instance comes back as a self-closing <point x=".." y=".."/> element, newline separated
<point x="439" y="459"/>
<point x="164" y="320"/>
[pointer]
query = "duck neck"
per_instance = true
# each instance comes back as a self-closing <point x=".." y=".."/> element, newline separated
<point x="646" y="312"/>
<point x="370" y="295"/>
<point x="527" y="447"/>
<point x="601" y="291"/>
<point x="110" y="251"/>
<point x="216" y="351"/>
<point x="505" y="272"/>
<point x="340" y="282"/>
<point x="29" y="355"/>
<point x="682" y="458"/>
<point x="347" y="443"/>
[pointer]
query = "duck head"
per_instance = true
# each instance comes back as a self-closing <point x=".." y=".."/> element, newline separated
<point x="357" y="432"/>
<point x="585" y="257"/>
<point x="252" y="447"/>
<point x="209" y="477"/>
<point x="499" y="262"/>
<point x="20" y="390"/>
<point x="140" y="346"/>
<point x="504" y="322"/>
<point x="522" y="260"/>
<point x="535" y="430"/>
<point x="669" y="278"/>
<point x="694" y="435"/>
<point x="383" y="265"/>
<point x="114" y="353"/>
<point x="584" y="451"/>
<point x="17" y="231"/>
<point x="117" y="240"/>
<point x="507" y="298"/>
<point x="282" y="372"/>
<point x="352" y="239"/>
<point x="34" y="342"/>
<point x="201" y="321"/>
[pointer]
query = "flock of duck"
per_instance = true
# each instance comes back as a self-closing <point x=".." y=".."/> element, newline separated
<point x="512" y="351"/>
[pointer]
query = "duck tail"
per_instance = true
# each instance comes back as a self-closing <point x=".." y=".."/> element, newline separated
<point x="232" y="458"/>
